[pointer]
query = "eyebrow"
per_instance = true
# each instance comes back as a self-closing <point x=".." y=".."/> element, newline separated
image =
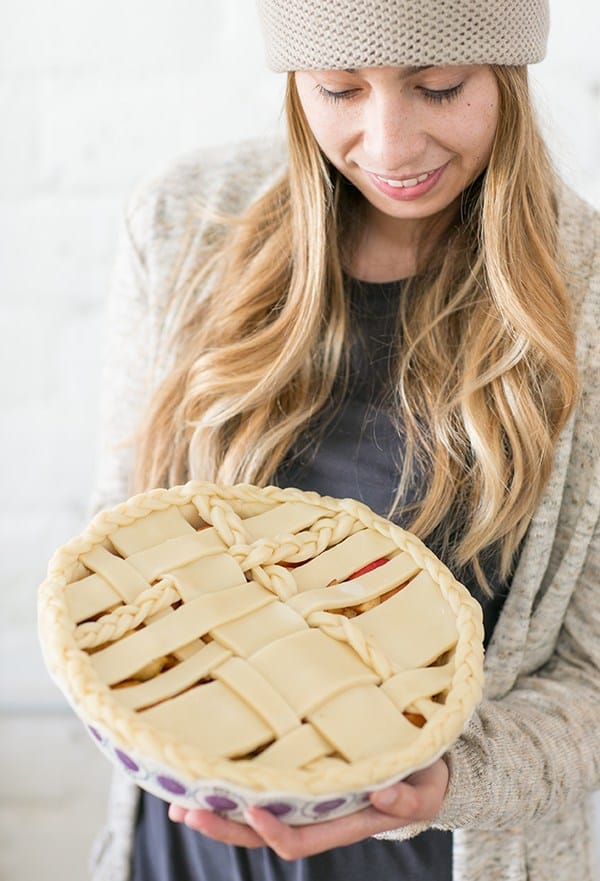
<point x="408" y="71"/>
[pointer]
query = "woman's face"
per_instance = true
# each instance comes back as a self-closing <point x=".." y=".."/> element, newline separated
<point x="410" y="139"/>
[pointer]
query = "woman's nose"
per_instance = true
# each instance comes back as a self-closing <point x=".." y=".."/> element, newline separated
<point x="392" y="135"/>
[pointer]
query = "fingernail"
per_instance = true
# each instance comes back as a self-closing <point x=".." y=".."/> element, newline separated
<point x="385" y="798"/>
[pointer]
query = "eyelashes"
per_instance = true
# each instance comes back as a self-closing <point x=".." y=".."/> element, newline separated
<point x="438" y="96"/>
<point x="435" y="96"/>
<point x="334" y="97"/>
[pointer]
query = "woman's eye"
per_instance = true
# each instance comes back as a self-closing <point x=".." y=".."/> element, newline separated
<point x="440" y="95"/>
<point x="335" y="96"/>
<point x="437" y="96"/>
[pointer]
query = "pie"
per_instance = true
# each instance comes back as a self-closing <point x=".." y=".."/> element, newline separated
<point x="272" y="639"/>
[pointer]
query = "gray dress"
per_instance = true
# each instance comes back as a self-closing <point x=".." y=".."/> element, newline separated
<point x="352" y="450"/>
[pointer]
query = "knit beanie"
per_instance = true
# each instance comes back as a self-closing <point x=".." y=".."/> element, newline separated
<point x="338" y="34"/>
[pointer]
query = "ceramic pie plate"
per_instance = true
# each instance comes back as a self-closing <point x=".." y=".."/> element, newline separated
<point x="237" y="646"/>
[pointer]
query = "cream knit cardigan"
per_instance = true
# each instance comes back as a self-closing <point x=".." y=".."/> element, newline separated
<point x="524" y="770"/>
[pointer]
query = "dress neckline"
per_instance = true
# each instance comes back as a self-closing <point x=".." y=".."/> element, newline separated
<point x="375" y="285"/>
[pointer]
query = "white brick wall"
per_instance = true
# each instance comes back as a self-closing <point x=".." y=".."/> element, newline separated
<point x="94" y="97"/>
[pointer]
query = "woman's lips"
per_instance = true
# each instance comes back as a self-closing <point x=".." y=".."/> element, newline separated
<point x="408" y="193"/>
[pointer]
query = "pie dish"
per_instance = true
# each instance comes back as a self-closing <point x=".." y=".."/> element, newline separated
<point x="239" y="645"/>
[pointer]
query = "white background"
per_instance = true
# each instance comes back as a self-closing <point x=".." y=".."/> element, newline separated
<point x="94" y="97"/>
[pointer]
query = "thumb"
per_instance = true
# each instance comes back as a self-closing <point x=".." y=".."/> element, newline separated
<point x="400" y="800"/>
<point x="419" y="797"/>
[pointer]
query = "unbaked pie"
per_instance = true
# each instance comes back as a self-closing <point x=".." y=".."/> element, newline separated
<point x="276" y="639"/>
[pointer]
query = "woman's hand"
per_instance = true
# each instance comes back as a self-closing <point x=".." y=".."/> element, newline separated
<point x="418" y="797"/>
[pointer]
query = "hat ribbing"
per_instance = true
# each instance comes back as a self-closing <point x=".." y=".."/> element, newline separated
<point x="337" y="34"/>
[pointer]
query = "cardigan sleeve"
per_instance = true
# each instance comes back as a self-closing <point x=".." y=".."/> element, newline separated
<point x="163" y="234"/>
<point x="125" y="372"/>
<point x="535" y="751"/>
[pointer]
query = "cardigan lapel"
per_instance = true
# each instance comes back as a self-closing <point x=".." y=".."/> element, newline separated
<point x="505" y="653"/>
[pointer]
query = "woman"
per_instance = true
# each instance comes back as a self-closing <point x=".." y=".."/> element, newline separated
<point x="400" y="305"/>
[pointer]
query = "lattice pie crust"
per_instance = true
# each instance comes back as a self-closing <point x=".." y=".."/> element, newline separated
<point x="273" y="638"/>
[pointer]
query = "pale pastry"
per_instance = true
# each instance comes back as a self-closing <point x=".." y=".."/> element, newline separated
<point x="274" y="639"/>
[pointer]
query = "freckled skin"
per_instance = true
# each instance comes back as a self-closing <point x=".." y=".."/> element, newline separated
<point x="390" y="127"/>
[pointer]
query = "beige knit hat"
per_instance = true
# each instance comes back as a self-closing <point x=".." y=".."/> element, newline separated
<point x="330" y="34"/>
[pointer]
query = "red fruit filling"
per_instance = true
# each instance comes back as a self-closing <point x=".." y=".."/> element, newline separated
<point x="368" y="568"/>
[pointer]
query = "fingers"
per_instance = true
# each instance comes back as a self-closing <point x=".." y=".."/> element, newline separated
<point x="419" y="797"/>
<point x="294" y="842"/>
<point x="288" y="842"/>
<point x="401" y="800"/>
<point x="177" y="813"/>
<point x="217" y="827"/>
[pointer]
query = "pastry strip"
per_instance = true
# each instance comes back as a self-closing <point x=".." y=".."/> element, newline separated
<point x="289" y="517"/>
<point x="343" y="559"/>
<point x="175" y="680"/>
<point x="341" y="721"/>
<point x="296" y="749"/>
<point x="213" y="719"/>
<point x="425" y="626"/>
<point x="132" y="653"/>
<point x="119" y="573"/>
<point x="258" y="693"/>
<point x="412" y="685"/>
<point x="176" y="552"/>
<point x="247" y="635"/>
<point x="89" y="597"/>
<point x="309" y="668"/>
<point x="212" y="573"/>
<point x="153" y="529"/>
<point x="349" y="593"/>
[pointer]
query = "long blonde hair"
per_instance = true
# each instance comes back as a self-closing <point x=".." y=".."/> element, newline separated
<point x="486" y="375"/>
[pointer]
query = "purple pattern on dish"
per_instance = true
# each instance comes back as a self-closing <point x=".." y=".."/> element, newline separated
<point x="126" y="760"/>
<point x="325" y="807"/>
<point x="277" y="808"/>
<point x="171" y="785"/>
<point x="220" y="803"/>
